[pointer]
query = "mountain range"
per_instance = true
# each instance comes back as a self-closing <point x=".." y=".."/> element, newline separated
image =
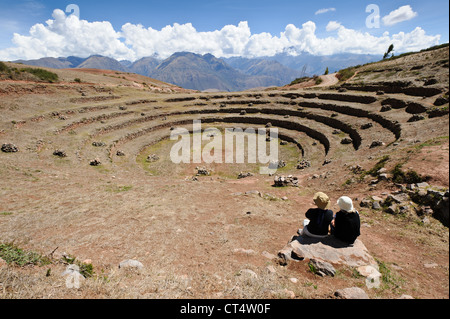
<point x="206" y="72"/>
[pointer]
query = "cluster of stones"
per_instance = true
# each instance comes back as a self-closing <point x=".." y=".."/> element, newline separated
<point x="152" y="158"/>
<point x="9" y="148"/>
<point x="419" y="199"/>
<point x="282" y="181"/>
<point x="303" y="164"/>
<point x="244" y="175"/>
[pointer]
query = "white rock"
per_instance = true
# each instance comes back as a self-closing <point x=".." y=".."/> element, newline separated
<point x="130" y="263"/>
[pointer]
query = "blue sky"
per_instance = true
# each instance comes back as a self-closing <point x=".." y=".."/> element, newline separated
<point x="262" y="16"/>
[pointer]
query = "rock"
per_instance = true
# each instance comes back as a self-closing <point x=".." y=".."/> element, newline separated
<point x="249" y="252"/>
<point x="282" y="181"/>
<point x="268" y="255"/>
<point x="383" y="177"/>
<point x="322" y="268"/>
<point x="95" y="162"/>
<point x="9" y="148"/>
<point x="152" y="158"/>
<point x="244" y="175"/>
<point x="416" y="118"/>
<point x="441" y="101"/>
<point x="346" y="141"/>
<point x="73" y="276"/>
<point x="303" y="164"/>
<point x="365" y="203"/>
<point x="376" y="144"/>
<point x="376" y="205"/>
<point x="366" y="126"/>
<point x="201" y="171"/>
<point x="98" y="144"/>
<point x="277" y="164"/>
<point x="405" y="297"/>
<point x="351" y="293"/>
<point x="328" y="249"/>
<point x="131" y="264"/>
<point x="120" y="153"/>
<point x="60" y="153"/>
<point x="373" y="276"/>
<point x="326" y="162"/>
<point x="284" y="143"/>
<point x="386" y="108"/>
<point x="271" y="269"/>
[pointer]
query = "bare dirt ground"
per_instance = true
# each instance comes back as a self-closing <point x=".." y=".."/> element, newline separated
<point x="214" y="237"/>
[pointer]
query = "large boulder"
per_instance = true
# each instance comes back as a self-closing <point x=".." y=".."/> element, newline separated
<point x="328" y="249"/>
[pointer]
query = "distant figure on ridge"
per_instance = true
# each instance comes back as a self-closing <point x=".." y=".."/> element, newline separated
<point x="346" y="224"/>
<point x="319" y="219"/>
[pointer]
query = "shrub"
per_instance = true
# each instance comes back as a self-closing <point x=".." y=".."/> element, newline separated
<point x="410" y="177"/>
<point x="346" y="74"/>
<point x="42" y="74"/>
<point x="3" y="67"/>
<point x="300" y="80"/>
<point x="77" y="80"/>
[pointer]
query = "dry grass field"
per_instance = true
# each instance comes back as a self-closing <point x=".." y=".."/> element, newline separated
<point x="215" y="236"/>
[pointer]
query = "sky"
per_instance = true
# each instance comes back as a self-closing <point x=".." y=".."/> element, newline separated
<point x="130" y="30"/>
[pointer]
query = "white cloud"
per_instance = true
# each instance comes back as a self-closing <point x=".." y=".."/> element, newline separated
<point x="322" y="11"/>
<point x="67" y="35"/>
<point x="403" y="13"/>
<point x="333" y="25"/>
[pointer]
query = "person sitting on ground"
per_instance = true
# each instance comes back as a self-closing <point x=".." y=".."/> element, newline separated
<point x="346" y="224"/>
<point x="319" y="218"/>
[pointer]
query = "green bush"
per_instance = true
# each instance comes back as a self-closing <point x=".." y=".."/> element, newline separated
<point x="3" y="67"/>
<point x="410" y="177"/>
<point x="42" y="74"/>
<point x="300" y="80"/>
<point x="346" y="74"/>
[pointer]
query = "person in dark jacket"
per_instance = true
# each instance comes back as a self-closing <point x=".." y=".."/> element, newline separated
<point x="346" y="224"/>
<point x="319" y="218"/>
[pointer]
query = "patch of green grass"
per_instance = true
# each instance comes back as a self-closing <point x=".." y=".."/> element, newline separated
<point x="5" y="213"/>
<point x="434" y="142"/>
<point x="16" y="256"/>
<point x="388" y="279"/>
<point x="379" y="165"/>
<point x="118" y="189"/>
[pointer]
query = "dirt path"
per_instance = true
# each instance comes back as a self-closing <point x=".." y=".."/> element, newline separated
<point x="328" y="80"/>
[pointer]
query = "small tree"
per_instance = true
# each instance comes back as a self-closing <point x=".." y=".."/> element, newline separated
<point x="327" y="71"/>
<point x="389" y="51"/>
